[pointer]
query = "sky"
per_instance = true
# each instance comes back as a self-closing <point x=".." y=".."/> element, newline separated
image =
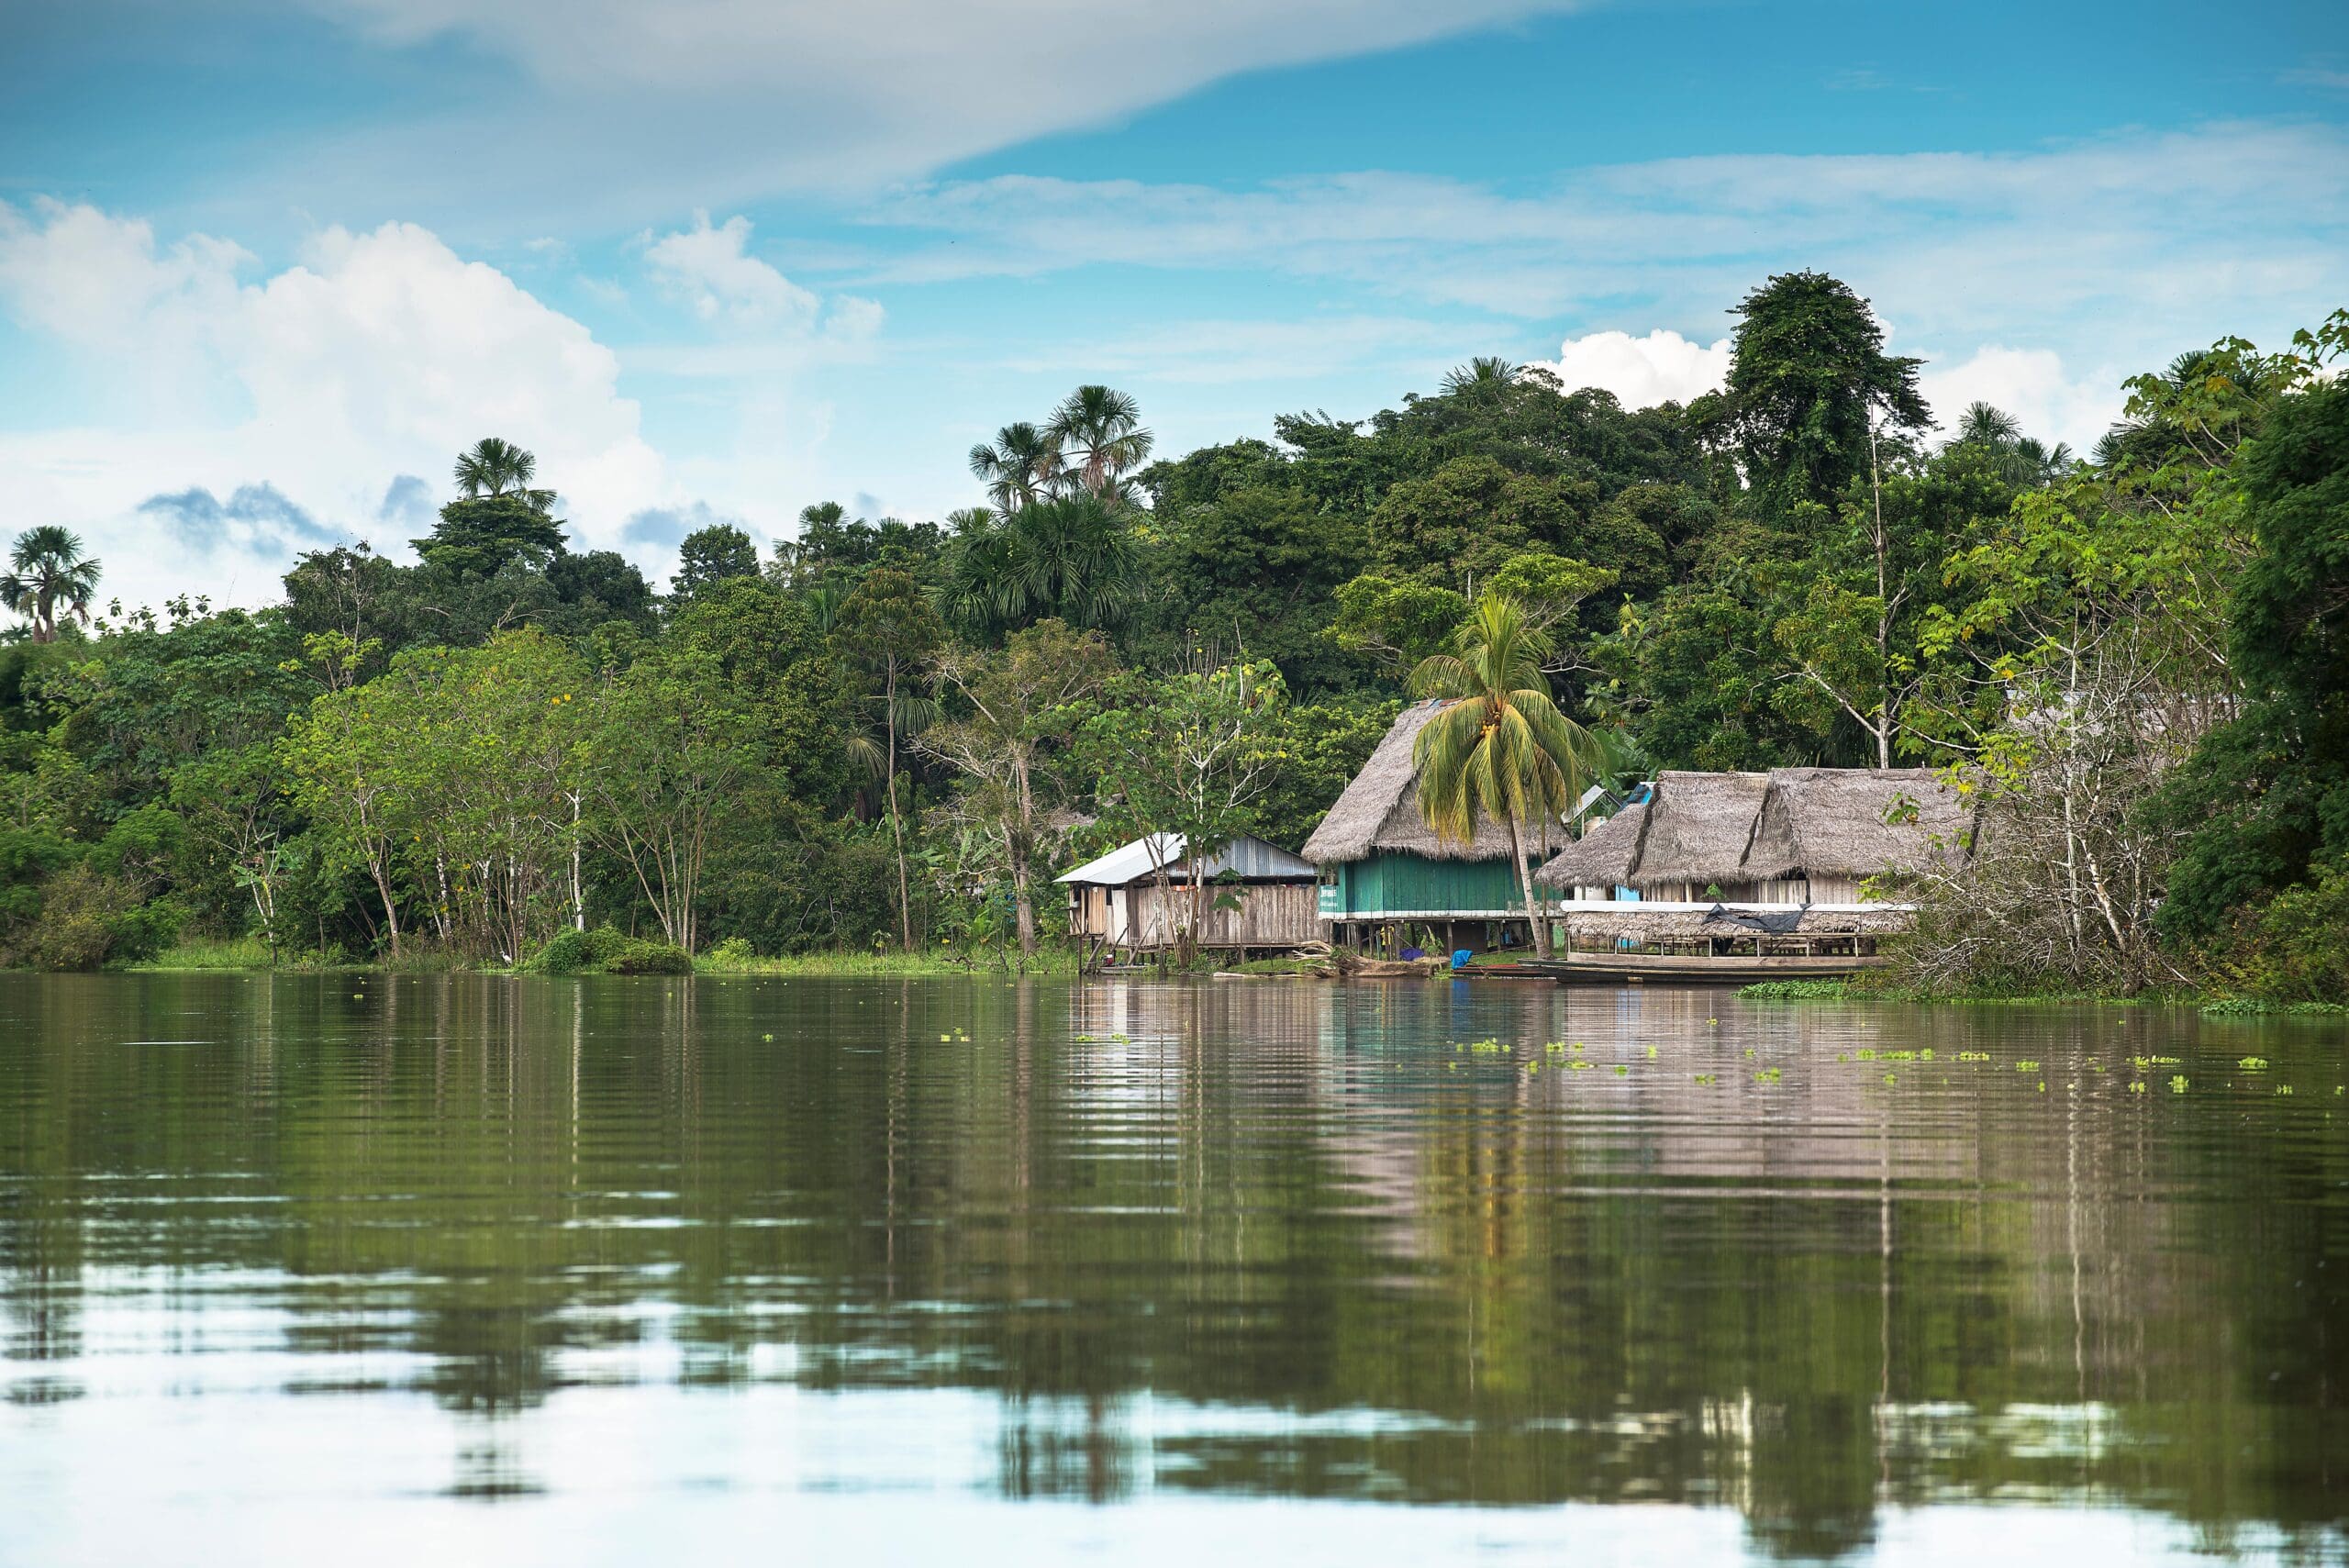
<point x="266" y="266"/>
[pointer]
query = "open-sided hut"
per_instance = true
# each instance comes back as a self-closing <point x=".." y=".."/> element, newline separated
<point x="1824" y="831"/>
<point x="1383" y="866"/>
<point x="1116" y="901"/>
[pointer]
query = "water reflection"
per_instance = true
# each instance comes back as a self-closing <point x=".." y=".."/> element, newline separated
<point x="1490" y="1244"/>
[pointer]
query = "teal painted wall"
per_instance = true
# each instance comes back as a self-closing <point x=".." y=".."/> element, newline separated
<point x="1389" y="884"/>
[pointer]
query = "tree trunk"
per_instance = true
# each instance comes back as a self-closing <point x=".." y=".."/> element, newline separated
<point x="1525" y="884"/>
<point x="896" y="832"/>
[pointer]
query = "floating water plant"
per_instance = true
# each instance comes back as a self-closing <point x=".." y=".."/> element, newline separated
<point x="2252" y="1063"/>
<point x="1865" y="1055"/>
<point x="1973" y="1056"/>
<point x="2026" y="1066"/>
<point x="1620" y="1069"/>
<point x="2177" y="1084"/>
<point x="2283" y="1088"/>
<point x="2137" y="1086"/>
<point x="1706" y="1078"/>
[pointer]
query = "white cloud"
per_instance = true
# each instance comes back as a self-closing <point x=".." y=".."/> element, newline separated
<point x="611" y="102"/>
<point x="382" y="355"/>
<point x="2032" y="385"/>
<point x="712" y="271"/>
<point x="1662" y="367"/>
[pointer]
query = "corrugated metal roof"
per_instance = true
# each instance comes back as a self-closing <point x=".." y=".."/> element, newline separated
<point x="1250" y="857"/>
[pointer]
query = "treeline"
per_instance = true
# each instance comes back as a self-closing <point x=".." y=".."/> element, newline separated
<point x="892" y="733"/>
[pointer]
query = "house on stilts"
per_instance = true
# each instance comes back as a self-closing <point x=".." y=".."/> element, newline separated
<point x="1389" y="881"/>
<point x="1747" y="875"/>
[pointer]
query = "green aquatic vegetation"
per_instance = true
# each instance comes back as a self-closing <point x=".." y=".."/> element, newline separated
<point x="1865" y="1055"/>
<point x="768" y="1039"/>
<point x="1973" y="1056"/>
<point x="2255" y="1006"/>
<point x="1891" y="1078"/>
<point x="2137" y="1085"/>
<point x="1795" y="991"/>
<point x="1768" y="1075"/>
<point x="2177" y="1084"/>
<point x="2252" y="1063"/>
<point x="2026" y="1066"/>
<point x="1620" y="1069"/>
<point x="1901" y="1056"/>
<point x="1707" y="1078"/>
<point x="1580" y="1066"/>
<point x="2283" y="1088"/>
<point x="1650" y="1053"/>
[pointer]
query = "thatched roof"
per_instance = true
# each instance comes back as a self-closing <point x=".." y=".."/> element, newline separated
<point x="1629" y="922"/>
<point x="1600" y="858"/>
<point x="1696" y="828"/>
<point x="1380" y="809"/>
<point x="1832" y="822"/>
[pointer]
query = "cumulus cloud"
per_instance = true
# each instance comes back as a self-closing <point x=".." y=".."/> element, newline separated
<point x="2031" y="385"/>
<point x="377" y="358"/>
<point x="1662" y="367"/>
<point x="712" y="271"/>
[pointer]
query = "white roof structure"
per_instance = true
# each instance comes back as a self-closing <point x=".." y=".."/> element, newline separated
<point x="1250" y="857"/>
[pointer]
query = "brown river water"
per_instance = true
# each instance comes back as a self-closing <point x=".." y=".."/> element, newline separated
<point x="337" y="1269"/>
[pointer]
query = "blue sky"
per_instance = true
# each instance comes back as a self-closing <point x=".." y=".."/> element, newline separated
<point x="266" y="264"/>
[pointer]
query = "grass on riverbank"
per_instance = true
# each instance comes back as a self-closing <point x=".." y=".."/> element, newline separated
<point x="213" y="955"/>
<point x="884" y="965"/>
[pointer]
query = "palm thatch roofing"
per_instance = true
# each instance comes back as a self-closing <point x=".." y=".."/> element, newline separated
<point x="1696" y="829"/>
<point x="1629" y="922"/>
<point x="1600" y="858"/>
<point x="1380" y="809"/>
<point x="1855" y="822"/>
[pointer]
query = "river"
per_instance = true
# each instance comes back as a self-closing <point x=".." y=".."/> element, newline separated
<point x="361" y="1269"/>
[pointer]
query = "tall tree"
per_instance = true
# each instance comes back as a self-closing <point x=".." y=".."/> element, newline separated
<point x="1014" y="710"/>
<point x="48" y="570"/>
<point x="1809" y="385"/>
<point x="887" y="631"/>
<point x="1499" y="748"/>
<point x="493" y="467"/>
<point x="1100" y="429"/>
<point x="710" y="555"/>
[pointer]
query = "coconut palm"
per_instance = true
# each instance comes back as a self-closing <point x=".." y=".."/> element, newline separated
<point x="49" y="572"/>
<point x="494" y="467"/>
<point x="1019" y="467"/>
<point x="1100" y="427"/>
<point x="1499" y="748"/>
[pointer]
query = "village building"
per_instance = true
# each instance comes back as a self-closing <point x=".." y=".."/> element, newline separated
<point x="1750" y="876"/>
<point x="1387" y="878"/>
<point x="1248" y="895"/>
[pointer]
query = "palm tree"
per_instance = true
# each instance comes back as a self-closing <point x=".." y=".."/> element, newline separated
<point x="494" y="467"/>
<point x="1485" y="373"/>
<point x="1020" y="467"/>
<point x="1074" y="558"/>
<point x="1499" y="748"/>
<point x="1984" y="425"/>
<point x="1102" y="427"/>
<point x="49" y="571"/>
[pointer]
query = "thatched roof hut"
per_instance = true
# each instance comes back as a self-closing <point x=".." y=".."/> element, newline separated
<point x="1380" y="809"/>
<point x="1848" y="824"/>
<point x="1697" y="828"/>
<point x="1600" y="858"/>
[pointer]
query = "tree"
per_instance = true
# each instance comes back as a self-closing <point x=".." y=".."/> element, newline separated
<point x="1013" y="709"/>
<point x="710" y="555"/>
<point x="1073" y="559"/>
<point x="1188" y="756"/>
<point x="1020" y="467"/>
<point x="1809" y="385"/>
<point x="497" y="468"/>
<point x="47" y="571"/>
<point x="1100" y="428"/>
<point x="887" y="631"/>
<point x="675" y="743"/>
<point x="476" y="538"/>
<point x="1499" y="748"/>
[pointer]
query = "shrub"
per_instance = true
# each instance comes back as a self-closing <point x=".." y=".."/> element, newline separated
<point x="89" y="919"/>
<point x="731" y="954"/>
<point x="606" y="951"/>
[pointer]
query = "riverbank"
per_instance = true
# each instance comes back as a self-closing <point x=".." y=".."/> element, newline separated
<point x="248" y="955"/>
<point x="2209" y="1005"/>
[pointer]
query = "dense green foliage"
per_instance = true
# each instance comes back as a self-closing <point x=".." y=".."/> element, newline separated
<point x="889" y="733"/>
